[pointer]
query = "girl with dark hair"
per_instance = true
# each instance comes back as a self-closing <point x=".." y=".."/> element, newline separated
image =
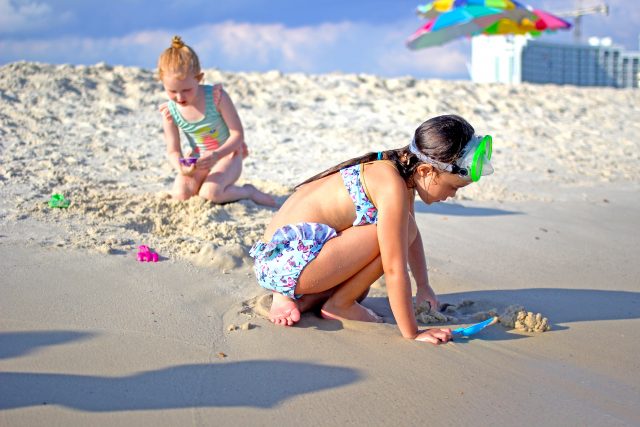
<point x="345" y="227"/>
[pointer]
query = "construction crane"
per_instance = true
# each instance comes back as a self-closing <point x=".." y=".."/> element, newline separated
<point x="577" y="15"/>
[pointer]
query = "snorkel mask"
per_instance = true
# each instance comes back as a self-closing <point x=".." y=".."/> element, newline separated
<point x="474" y="162"/>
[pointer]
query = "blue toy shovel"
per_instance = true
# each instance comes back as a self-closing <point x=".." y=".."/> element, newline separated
<point x="473" y="329"/>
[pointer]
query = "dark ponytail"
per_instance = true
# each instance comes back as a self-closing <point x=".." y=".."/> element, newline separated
<point x="402" y="159"/>
<point x="442" y="138"/>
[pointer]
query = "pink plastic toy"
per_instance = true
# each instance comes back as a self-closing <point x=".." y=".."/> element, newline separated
<point x="145" y="254"/>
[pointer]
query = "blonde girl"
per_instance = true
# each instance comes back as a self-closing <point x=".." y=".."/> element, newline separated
<point x="209" y="120"/>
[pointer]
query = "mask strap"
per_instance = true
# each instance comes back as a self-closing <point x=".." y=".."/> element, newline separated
<point x="413" y="148"/>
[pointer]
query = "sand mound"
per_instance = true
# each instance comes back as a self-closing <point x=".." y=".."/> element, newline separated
<point x="517" y="317"/>
<point x="509" y="316"/>
<point x="116" y="221"/>
<point x="93" y="133"/>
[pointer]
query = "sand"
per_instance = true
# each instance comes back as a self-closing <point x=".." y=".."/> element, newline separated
<point x="90" y="336"/>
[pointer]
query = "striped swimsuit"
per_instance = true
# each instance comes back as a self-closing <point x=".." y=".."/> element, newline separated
<point x="210" y="132"/>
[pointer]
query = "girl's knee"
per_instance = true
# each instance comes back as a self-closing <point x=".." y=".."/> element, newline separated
<point x="212" y="193"/>
<point x="183" y="192"/>
<point x="184" y="188"/>
<point x="181" y="195"/>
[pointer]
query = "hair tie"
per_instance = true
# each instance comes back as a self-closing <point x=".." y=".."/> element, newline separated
<point x="379" y="155"/>
<point x="176" y="42"/>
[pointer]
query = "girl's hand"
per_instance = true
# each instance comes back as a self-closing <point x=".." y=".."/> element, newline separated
<point x="207" y="161"/>
<point x="187" y="170"/>
<point x="164" y="111"/>
<point x="425" y="293"/>
<point x="435" y="336"/>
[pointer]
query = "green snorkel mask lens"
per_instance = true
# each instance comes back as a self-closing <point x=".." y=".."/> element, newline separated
<point x="484" y="149"/>
<point x="474" y="162"/>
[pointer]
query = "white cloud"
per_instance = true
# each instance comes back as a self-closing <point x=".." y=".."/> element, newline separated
<point x="448" y="60"/>
<point x="243" y="44"/>
<point x="439" y="61"/>
<point x="136" y="49"/>
<point x="261" y="46"/>
<point x="26" y="16"/>
<point x="347" y="46"/>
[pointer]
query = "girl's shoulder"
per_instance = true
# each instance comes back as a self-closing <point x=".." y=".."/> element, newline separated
<point x="216" y="90"/>
<point x="382" y="168"/>
<point x="387" y="164"/>
<point x="384" y="181"/>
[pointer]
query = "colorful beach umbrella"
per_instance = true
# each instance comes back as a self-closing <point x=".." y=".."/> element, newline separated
<point x="463" y="18"/>
<point x="451" y="25"/>
<point x="544" y="21"/>
<point x="451" y="19"/>
<point x="438" y="7"/>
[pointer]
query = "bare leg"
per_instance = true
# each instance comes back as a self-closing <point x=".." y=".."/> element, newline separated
<point x="341" y="275"/>
<point x="343" y="304"/>
<point x="340" y="258"/>
<point x="348" y="265"/>
<point x="218" y="187"/>
<point x="185" y="187"/>
<point x="311" y="301"/>
<point x="260" y="197"/>
<point x="344" y="301"/>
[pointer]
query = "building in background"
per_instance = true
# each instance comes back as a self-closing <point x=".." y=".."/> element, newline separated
<point x="516" y="59"/>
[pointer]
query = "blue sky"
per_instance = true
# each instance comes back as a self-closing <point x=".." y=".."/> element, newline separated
<point x="352" y="36"/>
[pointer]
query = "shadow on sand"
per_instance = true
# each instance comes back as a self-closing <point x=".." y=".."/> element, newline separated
<point x="561" y="306"/>
<point x="14" y="344"/>
<point x="256" y="383"/>
<point x="456" y="209"/>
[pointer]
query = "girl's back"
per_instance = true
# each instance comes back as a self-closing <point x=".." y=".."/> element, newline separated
<point x="328" y="201"/>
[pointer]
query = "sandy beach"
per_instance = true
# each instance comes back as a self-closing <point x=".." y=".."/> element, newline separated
<point x="90" y="336"/>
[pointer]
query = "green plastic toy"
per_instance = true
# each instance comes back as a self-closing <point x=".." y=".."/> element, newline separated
<point x="58" y="201"/>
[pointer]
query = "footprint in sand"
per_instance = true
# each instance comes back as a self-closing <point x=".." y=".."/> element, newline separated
<point x="261" y="304"/>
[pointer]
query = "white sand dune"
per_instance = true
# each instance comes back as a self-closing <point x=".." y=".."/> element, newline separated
<point x="93" y="133"/>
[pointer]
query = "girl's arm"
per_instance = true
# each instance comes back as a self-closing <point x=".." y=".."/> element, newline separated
<point x="172" y="140"/>
<point x="392" y="201"/>
<point x="236" y="133"/>
<point x="418" y="265"/>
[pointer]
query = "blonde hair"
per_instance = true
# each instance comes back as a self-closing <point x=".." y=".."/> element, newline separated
<point x="179" y="59"/>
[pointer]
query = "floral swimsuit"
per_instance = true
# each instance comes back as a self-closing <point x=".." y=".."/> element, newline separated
<point x="366" y="212"/>
<point x="279" y="263"/>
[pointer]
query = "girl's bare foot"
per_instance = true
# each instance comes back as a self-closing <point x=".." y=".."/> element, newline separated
<point x="259" y="197"/>
<point x="284" y="311"/>
<point x="353" y="312"/>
